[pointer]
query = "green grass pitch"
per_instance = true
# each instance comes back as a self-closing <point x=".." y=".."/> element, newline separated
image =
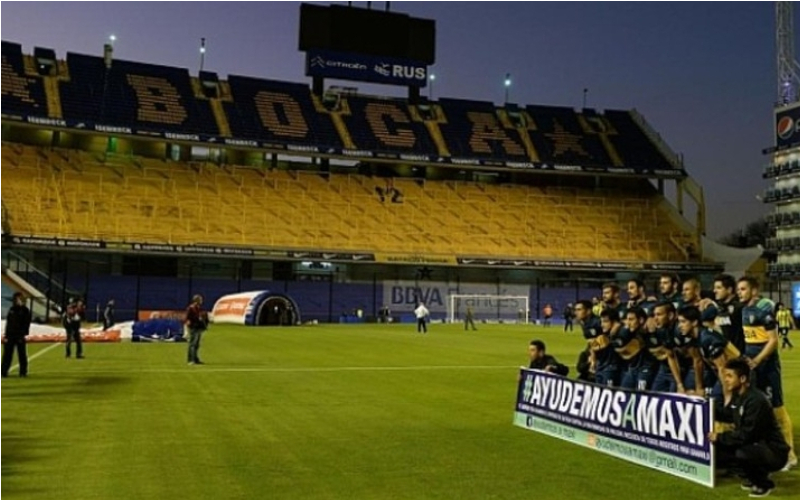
<point x="322" y="412"/>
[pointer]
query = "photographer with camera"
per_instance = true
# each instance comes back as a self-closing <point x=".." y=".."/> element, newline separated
<point x="195" y="324"/>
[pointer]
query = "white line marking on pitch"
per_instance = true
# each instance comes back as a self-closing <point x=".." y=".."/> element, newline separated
<point x="35" y="356"/>
<point x="207" y="369"/>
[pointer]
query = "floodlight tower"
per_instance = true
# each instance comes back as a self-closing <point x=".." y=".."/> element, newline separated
<point x="788" y="79"/>
<point x="784" y="167"/>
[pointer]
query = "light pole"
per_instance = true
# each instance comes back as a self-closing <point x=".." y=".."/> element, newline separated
<point x="202" y="52"/>
<point x="507" y="84"/>
<point x="431" y="79"/>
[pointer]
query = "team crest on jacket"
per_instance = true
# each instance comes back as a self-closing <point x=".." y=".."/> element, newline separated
<point x="752" y="318"/>
<point x="731" y="308"/>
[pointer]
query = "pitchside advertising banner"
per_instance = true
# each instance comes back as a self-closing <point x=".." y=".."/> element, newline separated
<point x="666" y="432"/>
<point x="344" y="66"/>
<point x="402" y="296"/>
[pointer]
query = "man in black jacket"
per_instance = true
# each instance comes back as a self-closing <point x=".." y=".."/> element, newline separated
<point x="756" y="444"/>
<point x="18" y="324"/>
<point x="540" y="360"/>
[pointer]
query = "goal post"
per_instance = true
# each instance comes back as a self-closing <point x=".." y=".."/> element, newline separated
<point x="489" y="308"/>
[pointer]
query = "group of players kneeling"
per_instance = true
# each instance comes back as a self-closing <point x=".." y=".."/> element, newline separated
<point x="683" y="341"/>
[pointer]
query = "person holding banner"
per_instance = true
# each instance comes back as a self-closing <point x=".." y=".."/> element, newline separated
<point x="761" y="339"/>
<point x="603" y="359"/>
<point x="756" y="444"/>
<point x="540" y="360"/>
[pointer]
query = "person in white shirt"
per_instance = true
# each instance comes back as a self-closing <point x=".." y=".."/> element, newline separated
<point x="422" y="313"/>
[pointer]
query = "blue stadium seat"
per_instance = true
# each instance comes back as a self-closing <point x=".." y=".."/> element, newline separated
<point x="634" y="146"/>
<point x="136" y="95"/>
<point x="23" y="95"/>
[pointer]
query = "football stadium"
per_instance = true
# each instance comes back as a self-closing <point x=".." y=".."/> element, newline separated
<point x="324" y="228"/>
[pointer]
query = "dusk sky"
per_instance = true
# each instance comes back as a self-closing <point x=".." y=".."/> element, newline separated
<point x="702" y="74"/>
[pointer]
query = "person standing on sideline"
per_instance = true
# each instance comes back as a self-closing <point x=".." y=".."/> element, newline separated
<point x="195" y="324"/>
<point x="569" y="316"/>
<point x="755" y="445"/>
<point x="108" y="315"/>
<point x="18" y="324"/>
<point x="469" y="319"/>
<point x="785" y="323"/>
<point x="548" y="314"/>
<point x="422" y="313"/>
<point x="72" y="324"/>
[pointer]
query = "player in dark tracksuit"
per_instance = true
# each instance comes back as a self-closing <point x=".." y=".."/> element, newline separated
<point x="18" y="324"/>
<point x="604" y="360"/>
<point x="661" y="343"/>
<point x="729" y="310"/>
<point x="639" y="365"/>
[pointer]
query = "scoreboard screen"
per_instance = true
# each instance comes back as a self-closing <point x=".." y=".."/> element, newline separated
<point x="355" y="30"/>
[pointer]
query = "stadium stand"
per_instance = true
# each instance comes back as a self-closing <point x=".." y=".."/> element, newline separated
<point x="140" y="196"/>
<point x="22" y="90"/>
<point x="76" y="194"/>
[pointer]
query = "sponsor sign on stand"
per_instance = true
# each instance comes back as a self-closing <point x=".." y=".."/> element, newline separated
<point x="360" y="67"/>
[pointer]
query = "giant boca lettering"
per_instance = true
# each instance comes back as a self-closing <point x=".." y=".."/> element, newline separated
<point x="281" y="114"/>
<point x="15" y="85"/>
<point x="486" y="129"/>
<point x="158" y="100"/>
<point x="380" y="115"/>
<point x="601" y="127"/>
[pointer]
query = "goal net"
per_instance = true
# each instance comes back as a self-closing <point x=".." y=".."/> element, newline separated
<point x="489" y="308"/>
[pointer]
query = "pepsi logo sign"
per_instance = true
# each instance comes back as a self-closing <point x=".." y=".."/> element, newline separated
<point x="786" y="127"/>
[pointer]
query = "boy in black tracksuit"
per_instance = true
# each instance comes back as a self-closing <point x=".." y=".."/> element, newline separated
<point x="18" y="324"/>
<point x="756" y="444"/>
